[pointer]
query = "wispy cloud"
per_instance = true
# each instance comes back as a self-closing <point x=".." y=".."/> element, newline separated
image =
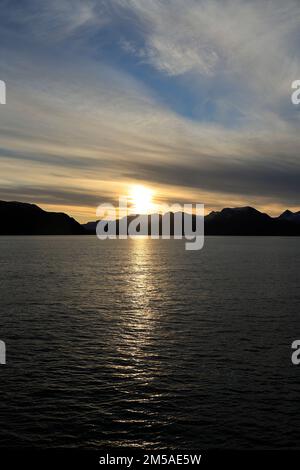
<point x="93" y="100"/>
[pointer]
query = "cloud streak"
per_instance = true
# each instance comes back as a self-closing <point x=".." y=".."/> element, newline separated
<point x="93" y="89"/>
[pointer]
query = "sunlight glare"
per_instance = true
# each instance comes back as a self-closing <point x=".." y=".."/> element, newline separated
<point x="141" y="199"/>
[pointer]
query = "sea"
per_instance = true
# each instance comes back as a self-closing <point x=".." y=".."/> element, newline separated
<point x="142" y="344"/>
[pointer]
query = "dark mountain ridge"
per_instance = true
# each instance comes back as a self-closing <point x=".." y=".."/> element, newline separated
<point x="234" y="221"/>
<point x="17" y="218"/>
<point x="248" y="221"/>
<point x="290" y="216"/>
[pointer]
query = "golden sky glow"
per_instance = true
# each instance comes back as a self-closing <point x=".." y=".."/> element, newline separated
<point x="146" y="111"/>
<point x="141" y="199"/>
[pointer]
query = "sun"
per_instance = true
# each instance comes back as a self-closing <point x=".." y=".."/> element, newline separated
<point x="141" y="199"/>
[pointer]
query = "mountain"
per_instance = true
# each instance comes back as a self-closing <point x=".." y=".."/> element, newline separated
<point x="245" y="221"/>
<point x="90" y="227"/>
<point x="238" y="221"/>
<point x="234" y="221"/>
<point x="248" y="221"/>
<point x="168" y="219"/>
<point x="290" y="216"/>
<point x="17" y="218"/>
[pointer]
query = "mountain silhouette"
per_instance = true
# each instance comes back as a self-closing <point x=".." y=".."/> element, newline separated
<point x="232" y="221"/>
<point x="248" y="221"/>
<point x="290" y="216"/>
<point x="17" y="218"/>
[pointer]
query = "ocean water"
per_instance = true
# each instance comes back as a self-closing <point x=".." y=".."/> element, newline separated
<point x="140" y="343"/>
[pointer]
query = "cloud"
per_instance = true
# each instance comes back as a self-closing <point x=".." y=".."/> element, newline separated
<point x="207" y="35"/>
<point x="243" y="49"/>
<point x="52" y="21"/>
<point x="91" y="93"/>
<point x="53" y="196"/>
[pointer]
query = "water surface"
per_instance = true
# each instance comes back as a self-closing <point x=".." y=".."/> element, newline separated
<point x="141" y="343"/>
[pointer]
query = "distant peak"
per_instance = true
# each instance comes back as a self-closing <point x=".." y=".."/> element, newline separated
<point x="240" y="209"/>
<point x="286" y="213"/>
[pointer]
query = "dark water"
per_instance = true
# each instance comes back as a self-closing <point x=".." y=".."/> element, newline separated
<point x="141" y="343"/>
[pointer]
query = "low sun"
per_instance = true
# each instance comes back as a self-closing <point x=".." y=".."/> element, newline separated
<point x="141" y="199"/>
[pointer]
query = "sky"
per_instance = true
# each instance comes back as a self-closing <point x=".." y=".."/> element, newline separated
<point x="189" y="98"/>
